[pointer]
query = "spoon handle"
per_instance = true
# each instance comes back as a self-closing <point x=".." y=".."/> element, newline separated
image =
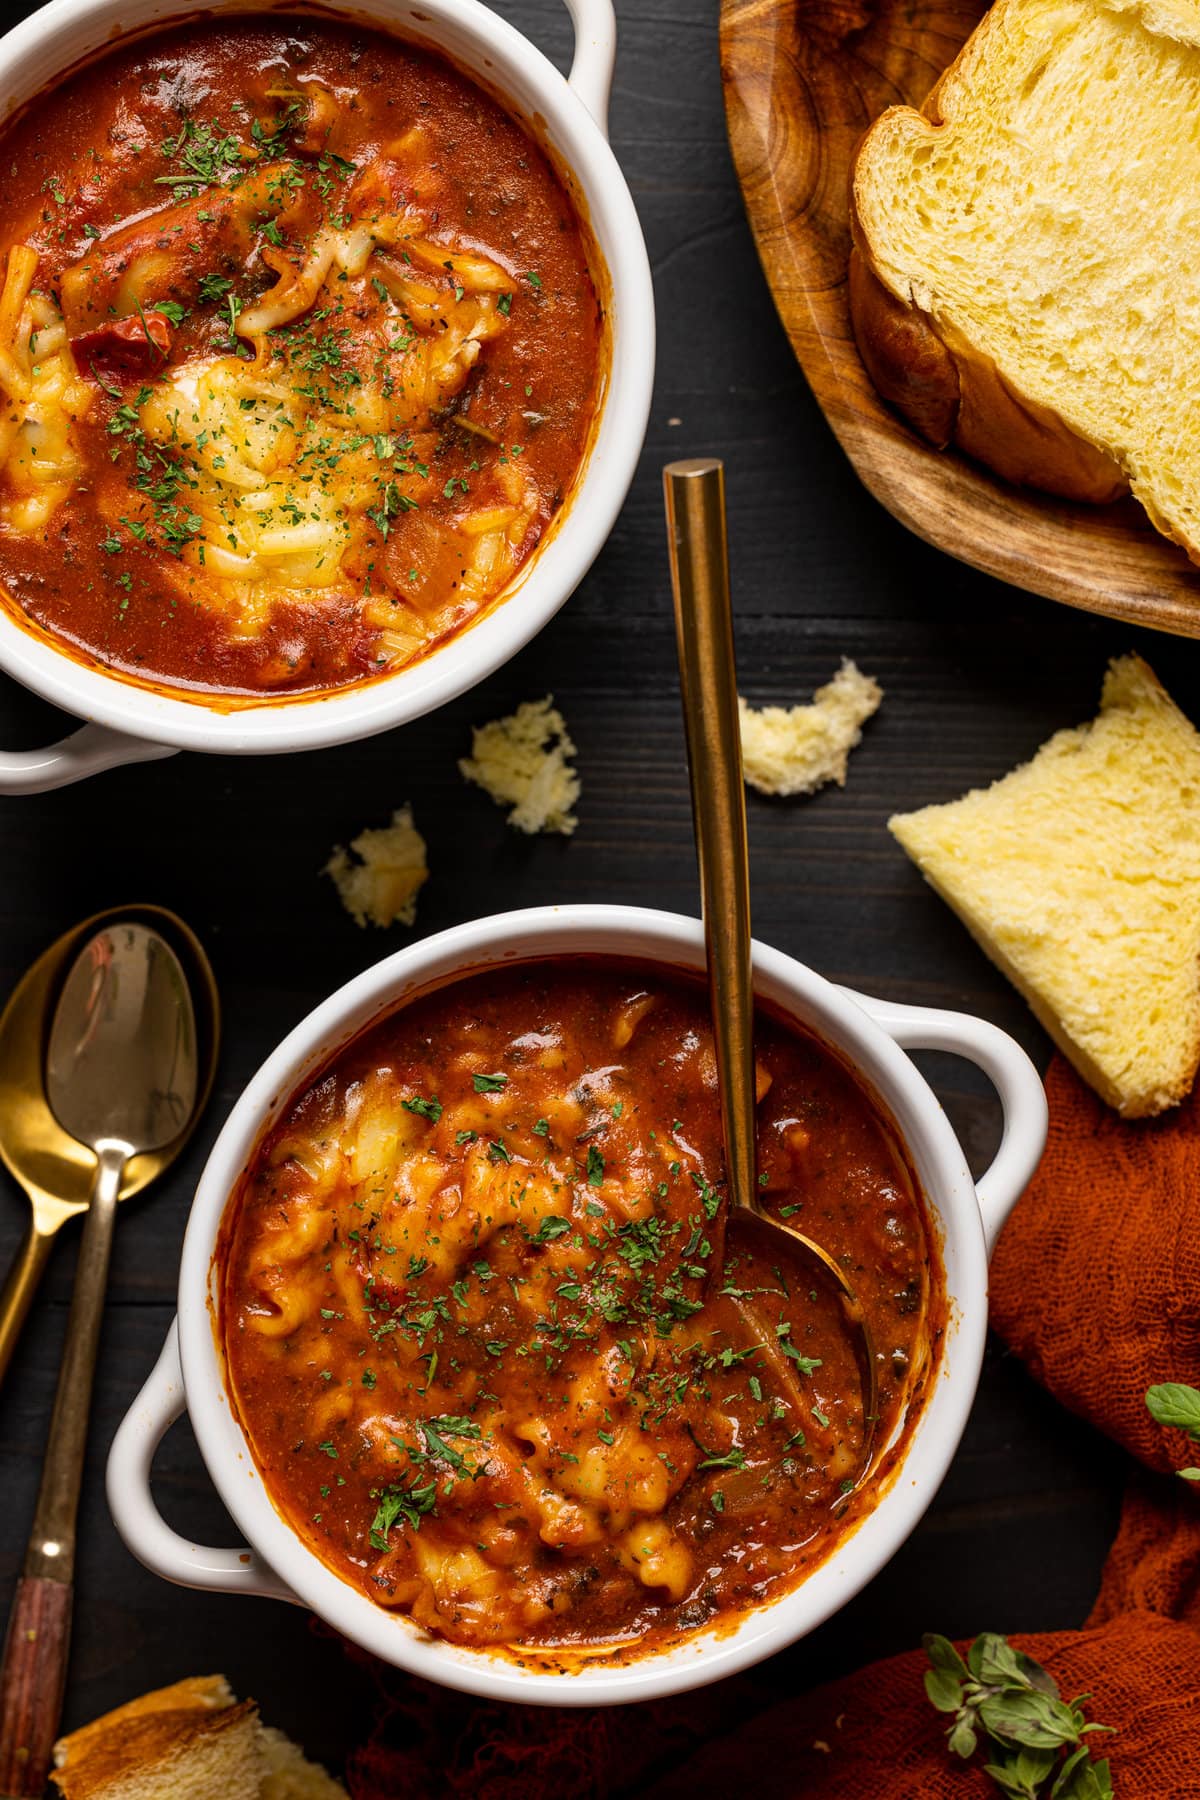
<point x="695" y="500"/>
<point x="20" y="1284"/>
<point x="33" y="1673"/>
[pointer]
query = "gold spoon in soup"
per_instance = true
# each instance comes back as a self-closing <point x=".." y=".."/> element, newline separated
<point x="123" y="1075"/>
<point x="695" y="501"/>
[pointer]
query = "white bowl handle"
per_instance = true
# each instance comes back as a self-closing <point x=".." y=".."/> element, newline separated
<point x="141" y="1525"/>
<point x="85" y="752"/>
<point x="1016" y="1081"/>
<point x="595" y="52"/>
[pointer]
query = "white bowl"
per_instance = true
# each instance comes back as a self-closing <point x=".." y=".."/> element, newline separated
<point x="872" y="1035"/>
<point x="135" y="724"/>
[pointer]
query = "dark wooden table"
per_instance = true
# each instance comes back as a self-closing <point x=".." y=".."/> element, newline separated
<point x="975" y="676"/>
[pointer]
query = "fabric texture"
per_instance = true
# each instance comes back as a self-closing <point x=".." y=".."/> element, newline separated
<point x="1096" y="1278"/>
<point x="874" y="1735"/>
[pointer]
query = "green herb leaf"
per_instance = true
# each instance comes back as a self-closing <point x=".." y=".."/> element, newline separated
<point x="1033" y="1739"/>
<point x="962" y="1739"/>
<point x="943" y="1655"/>
<point x="945" y="1690"/>
<point x="425" y="1109"/>
<point x="1174" y="1403"/>
<point x="489" y="1084"/>
<point x="410" y="1503"/>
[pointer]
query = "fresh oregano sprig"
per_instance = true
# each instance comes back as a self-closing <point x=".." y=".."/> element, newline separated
<point x="1006" y="1704"/>
<point x="1174" y="1403"/>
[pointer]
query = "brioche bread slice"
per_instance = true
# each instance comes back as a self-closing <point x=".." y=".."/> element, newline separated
<point x="189" y="1741"/>
<point x="1079" y="874"/>
<point x="1025" y="280"/>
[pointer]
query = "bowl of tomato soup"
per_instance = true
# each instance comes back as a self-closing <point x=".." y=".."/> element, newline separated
<point x="326" y="346"/>
<point x="482" y="1367"/>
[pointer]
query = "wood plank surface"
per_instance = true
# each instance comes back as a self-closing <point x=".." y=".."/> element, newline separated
<point x="975" y="674"/>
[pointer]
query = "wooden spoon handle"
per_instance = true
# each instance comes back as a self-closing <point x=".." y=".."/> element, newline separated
<point x="32" y="1678"/>
<point x="34" y="1670"/>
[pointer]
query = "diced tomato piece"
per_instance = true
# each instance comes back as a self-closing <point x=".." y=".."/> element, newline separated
<point x="137" y="345"/>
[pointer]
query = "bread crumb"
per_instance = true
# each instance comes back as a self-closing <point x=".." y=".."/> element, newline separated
<point x="381" y="887"/>
<point x="797" y="749"/>
<point x="522" y="762"/>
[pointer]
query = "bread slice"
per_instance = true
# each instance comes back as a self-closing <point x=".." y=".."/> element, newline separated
<point x="1025" y="280"/>
<point x="189" y="1741"/>
<point x="1079" y="874"/>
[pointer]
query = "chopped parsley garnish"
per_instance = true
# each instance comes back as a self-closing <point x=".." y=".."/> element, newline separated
<point x="214" y="287"/>
<point x="805" y="1364"/>
<point x="431" y="1109"/>
<point x="411" y="1503"/>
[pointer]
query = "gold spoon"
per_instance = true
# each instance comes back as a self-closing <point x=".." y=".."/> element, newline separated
<point x="122" y="1076"/>
<point x="54" y="1169"/>
<point x="695" y="500"/>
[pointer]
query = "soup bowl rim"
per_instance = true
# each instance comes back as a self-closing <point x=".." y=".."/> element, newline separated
<point x="146" y="720"/>
<point x="193" y="1373"/>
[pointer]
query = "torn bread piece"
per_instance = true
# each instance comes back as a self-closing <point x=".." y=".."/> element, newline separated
<point x="189" y="1741"/>
<point x="1079" y="875"/>
<point x="797" y="749"/>
<point x="523" y="761"/>
<point x="381" y="886"/>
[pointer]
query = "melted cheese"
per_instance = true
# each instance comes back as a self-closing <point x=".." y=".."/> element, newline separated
<point x="289" y="457"/>
<point x="43" y="397"/>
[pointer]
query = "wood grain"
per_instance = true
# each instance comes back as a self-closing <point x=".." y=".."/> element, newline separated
<point x="32" y="1678"/>
<point x="803" y="79"/>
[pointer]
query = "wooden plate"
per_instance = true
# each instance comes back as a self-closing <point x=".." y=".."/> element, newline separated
<point x="803" y="80"/>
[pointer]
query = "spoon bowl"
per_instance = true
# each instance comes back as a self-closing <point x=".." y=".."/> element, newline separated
<point x="55" y="1169"/>
<point x="121" y="1067"/>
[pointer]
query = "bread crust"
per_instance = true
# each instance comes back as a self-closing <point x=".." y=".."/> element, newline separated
<point x="145" y="1739"/>
<point x="949" y="390"/>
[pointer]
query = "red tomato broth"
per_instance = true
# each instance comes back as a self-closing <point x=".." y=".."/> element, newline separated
<point x="172" y="190"/>
<point x="468" y="1341"/>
